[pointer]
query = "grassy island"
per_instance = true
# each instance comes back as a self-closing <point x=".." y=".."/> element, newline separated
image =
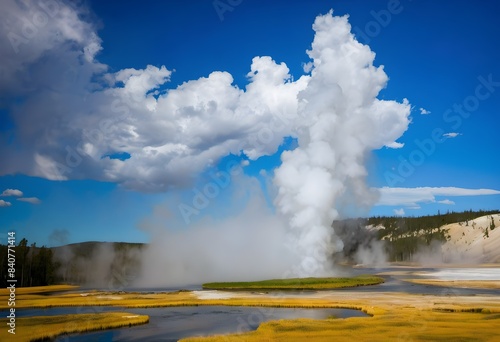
<point x="297" y="284"/>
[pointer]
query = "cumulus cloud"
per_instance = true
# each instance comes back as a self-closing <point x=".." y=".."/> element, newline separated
<point x="4" y="203"/>
<point x="424" y="111"/>
<point x="399" y="212"/>
<point x="36" y="35"/>
<point x="410" y="197"/>
<point x="446" y="201"/>
<point x="12" y="192"/>
<point x="32" y="200"/>
<point x="451" y="135"/>
<point x="172" y="135"/>
<point x="395" y="145"/>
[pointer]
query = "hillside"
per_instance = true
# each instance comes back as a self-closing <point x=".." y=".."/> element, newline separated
<point x="476" y="240"/>
<point x="451" y="237"/>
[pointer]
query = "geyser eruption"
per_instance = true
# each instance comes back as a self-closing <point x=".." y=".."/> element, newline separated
<point x="336" y="117"/>
<point x="342" y="121"/>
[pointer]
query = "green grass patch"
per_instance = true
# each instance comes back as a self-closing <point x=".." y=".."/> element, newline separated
<point x="296" y="283"/>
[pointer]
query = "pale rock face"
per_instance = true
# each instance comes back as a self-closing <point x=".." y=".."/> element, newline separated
<point x="471" y="244"/>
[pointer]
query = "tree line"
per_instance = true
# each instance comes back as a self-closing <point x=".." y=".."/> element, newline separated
<point x="34" y="266"/>
<point x="404" y="236"/>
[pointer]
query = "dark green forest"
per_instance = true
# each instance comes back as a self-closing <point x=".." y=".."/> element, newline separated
<point x="34" y="265"/>
<point x="115" y="264"/>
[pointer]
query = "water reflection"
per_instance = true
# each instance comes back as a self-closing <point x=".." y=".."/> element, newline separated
<point x="171" y="324"/>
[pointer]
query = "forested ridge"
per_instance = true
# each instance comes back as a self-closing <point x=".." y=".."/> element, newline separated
<point x="403" y="237"/>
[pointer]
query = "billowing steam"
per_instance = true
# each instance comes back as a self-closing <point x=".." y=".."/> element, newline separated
<point x="343" y="121"/>
<point x="247" y="246"/>
<point x="339" y="121"/>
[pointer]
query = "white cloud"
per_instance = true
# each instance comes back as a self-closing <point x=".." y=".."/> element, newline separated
<point x="12" y="192"/>
<point x="307" y="67"/>
<point x="399" y="212"/>
<point x="424" y="111"/>
<point x="32" y="200"/>
<point x="451" y="135"/>
<point x="395" y="145"/>
<point x="410" y="197"/>
<point x="172" y="135"/>
<point x="4" y="203"/>
<point x="446" y="201"/>
<point x="245" y="162"/>
<point x="27" y="40"/>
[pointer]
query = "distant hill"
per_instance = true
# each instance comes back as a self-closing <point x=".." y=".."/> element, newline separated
<point x="476" y="240"/>
<point x="433" y="238"/>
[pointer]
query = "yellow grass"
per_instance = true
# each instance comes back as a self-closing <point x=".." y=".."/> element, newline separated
<point x="97" y="298"/>
<point x="48" y="327"/>
<point x="39" y="289"/>
<point x="403" y="325"/>
<point x="395" y="316"/>
<point x="473" y="284"/>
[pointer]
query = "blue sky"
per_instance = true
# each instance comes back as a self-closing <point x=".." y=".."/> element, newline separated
<point x="441" y="56"/>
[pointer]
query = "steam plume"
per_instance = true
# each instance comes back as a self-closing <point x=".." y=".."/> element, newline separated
<point x="339" y="121"/>
<point x="343" y="121"/>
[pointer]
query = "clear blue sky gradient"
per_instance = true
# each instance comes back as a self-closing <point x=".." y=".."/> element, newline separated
<point x="434" y="52"/>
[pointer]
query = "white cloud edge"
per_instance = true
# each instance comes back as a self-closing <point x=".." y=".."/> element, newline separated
<point x="4" y="203"/>
<point x="424" y="111"/>
<point x="11" y="192"/>
<point x="395" y="145"/>
<point x="451" y="135"/>
<point x="399" y="212"/>
<point x="411" y="197"/>
<point x="32" y="200"/>
<point x="447" y="202"/>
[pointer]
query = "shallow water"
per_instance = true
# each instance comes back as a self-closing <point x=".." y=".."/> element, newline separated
<point x="171" y="324"/>
<point x="466" y="274"/>
<point x="394" y="283"/>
